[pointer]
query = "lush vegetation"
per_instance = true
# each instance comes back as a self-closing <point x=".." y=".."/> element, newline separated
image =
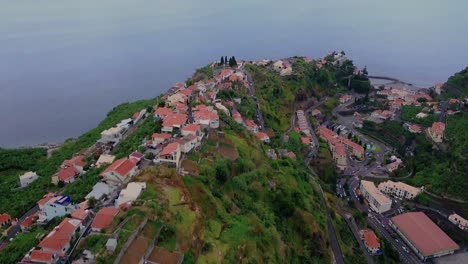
<point x="19" y="246"/>
<point x="18" y="202"/>
<point x="457" y="85"/>
<point x="21" y="159"/>
<point x="135" y="140"/>
<point x="409" y="112"/>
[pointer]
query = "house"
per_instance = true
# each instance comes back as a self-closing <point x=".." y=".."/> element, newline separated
<point x="67" y="175"/>
<point x="225" y="74"/>
<point x="58" y="241"/>
<point x="170" y="154"/>
<point x="58" y="206"/>
<point x="83" y="215"/>
<point x="44" y="200"/>
<point x="339" y="156"/>
<point x="302" y="122"/>
<point x="105" y="159"/>
<point x="120" y="171"/>
<point x="76" y="162"/>
<point x="370" y="241"/>
<point x="461" y="222"/>
<point x="27" y="178"/>
<point x="438" y="88"/>
<point x="178" y="97"/>
<point x="345" y="98"/>
<point x="206" y="118"/>
<point x="250" y="125"/>
<point x="399" y="189"/>
<point x="162" y="112"/>
<point x="385" y="114"/>
<point x="28" y="222"/>
<point x="136" y="156"/>
<point x="223" y="108"/>
<point x="5" y="219"/>
<point x="421" y="115"/>
<point x="111" y="244"/>
<point x="394" y="165"/>
<point x="192" y="129"/>
<point x="377" y="200"/>
<point x="112" y="135"/>
<point x="263" y="137"/>
<point x="103" y="218"/>
<point x="436" y="132"/>
<point x="414" y="129"/>
<point x="137" y="116"/>
<point x="130" y="193"/>
<point x="316" y="112"/>
<point x="173" y="121"/>
<point x="100" y="190"/>
<point x="159" y="138"/>
<point x="181" y="108"/>
<point x="39" y="256"/>
<point x="305" y="140"/>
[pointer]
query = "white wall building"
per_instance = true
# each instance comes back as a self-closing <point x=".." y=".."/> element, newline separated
<point x="28" y="178"/>
<point x="377" y="200"/>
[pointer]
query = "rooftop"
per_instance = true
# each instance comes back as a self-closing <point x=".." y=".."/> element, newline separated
<point x="424" y="234"/>
<point x="104" y="217"/>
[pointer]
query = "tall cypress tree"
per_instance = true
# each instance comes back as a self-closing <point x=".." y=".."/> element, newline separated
<point x="222" y="60"/>
<point x="225" y="60"/>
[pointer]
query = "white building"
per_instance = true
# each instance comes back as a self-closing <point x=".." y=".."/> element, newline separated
<point x="461" y="222"/>
<point x="27" y="178"/>
<point x="377" y="200"/>
<point x="105" y="159"/>
<point x="399" y="189"/>
<point x="112" y="135"/>
<point x="56" y="207"/>
<point x="131" y="193"/>
<point x="100" y="190"/>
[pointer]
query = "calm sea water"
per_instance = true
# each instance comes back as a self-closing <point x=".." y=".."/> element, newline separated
<point x="65" y="64"/>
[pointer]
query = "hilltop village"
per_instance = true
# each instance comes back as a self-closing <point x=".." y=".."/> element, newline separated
<point x="148" y="181"/>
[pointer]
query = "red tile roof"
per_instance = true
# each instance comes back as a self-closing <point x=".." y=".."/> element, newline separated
<point x="136" y="115"/>
<point x="226" y="72"/>
<point x="80" y="214"/>
<point x="104" y="217"/>
<point x="60" y="236"/>
<point x="191" y="128"/>
<point x="205" y="115"/>
<point x="75" y="161"/>
<point x="179" y="85"/>
<point x="340" y="149"/>
<point x="236" y="116"/>
<point x="169" y="149"/>
<point x="66" y="174"/>
<point x="262" y="136"/>
<point x="250" y="124"/>
<point x="122" y="166"/>
<point x="305" y="140"/>
<point x="41" y="256"/>
<point x="186" y="92"/>
<point x="136" y="155"/>
<point x="174" y="120"/>
<point x="163" y="111"/>
<point x="160" y="136"/>
<point x="29" y="220"/>
<point x="426" y="236"/>
<point x="370" y="239"/>
<point x="45" y="199"/>
<point x="438" y="128"/>
<point x="4" y="218"/>
<point x="291" y="155"/>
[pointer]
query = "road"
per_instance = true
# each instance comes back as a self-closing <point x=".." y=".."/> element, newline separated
<point x="335" y="245"/>
<point x="362" y="167"/>
<point x="253" y="93"/>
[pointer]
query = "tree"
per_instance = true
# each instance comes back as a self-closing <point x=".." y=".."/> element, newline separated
<point x="92" y="202"/>
<point x="364" y="71"/>
<point x="222" y="60"/>
<point x="225" y="60"/>
<point x="221" y="171"/>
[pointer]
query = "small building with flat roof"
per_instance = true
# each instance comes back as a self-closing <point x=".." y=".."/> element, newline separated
<point x="378" y="201"/>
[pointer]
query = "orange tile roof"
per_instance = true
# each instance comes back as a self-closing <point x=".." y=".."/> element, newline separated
<point x="4" y="218"/>
<point x="340" y="150"/>
<point x="104" y="217"/>
<point x="122" y="166"/>
<point x="169" y="149"/>
<point x="438" y="128"/>
<point x="66" y="174"/>
<point x="60" y="236"/>
<point x="29" y="220"/>
<point x="305" y="140"/>
<point x="163" y="111"/>
<point x="174" y="120"/>
<point x="77" y="161"/>
<point x="45" y="198"/>
<point x="80" y="214"/>
<point x="262" y="136"/>
<point x="371" y="239"/>
<point x="136" y="115"/>
<point x="41" y="256"/>
<point x="160" y="136"/>
<point x="191" y="128"/>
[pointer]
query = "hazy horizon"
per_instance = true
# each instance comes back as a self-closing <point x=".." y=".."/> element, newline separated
<point x="64" y="65"/>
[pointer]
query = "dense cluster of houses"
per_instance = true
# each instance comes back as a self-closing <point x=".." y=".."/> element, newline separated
<point x="339" y="145"/>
